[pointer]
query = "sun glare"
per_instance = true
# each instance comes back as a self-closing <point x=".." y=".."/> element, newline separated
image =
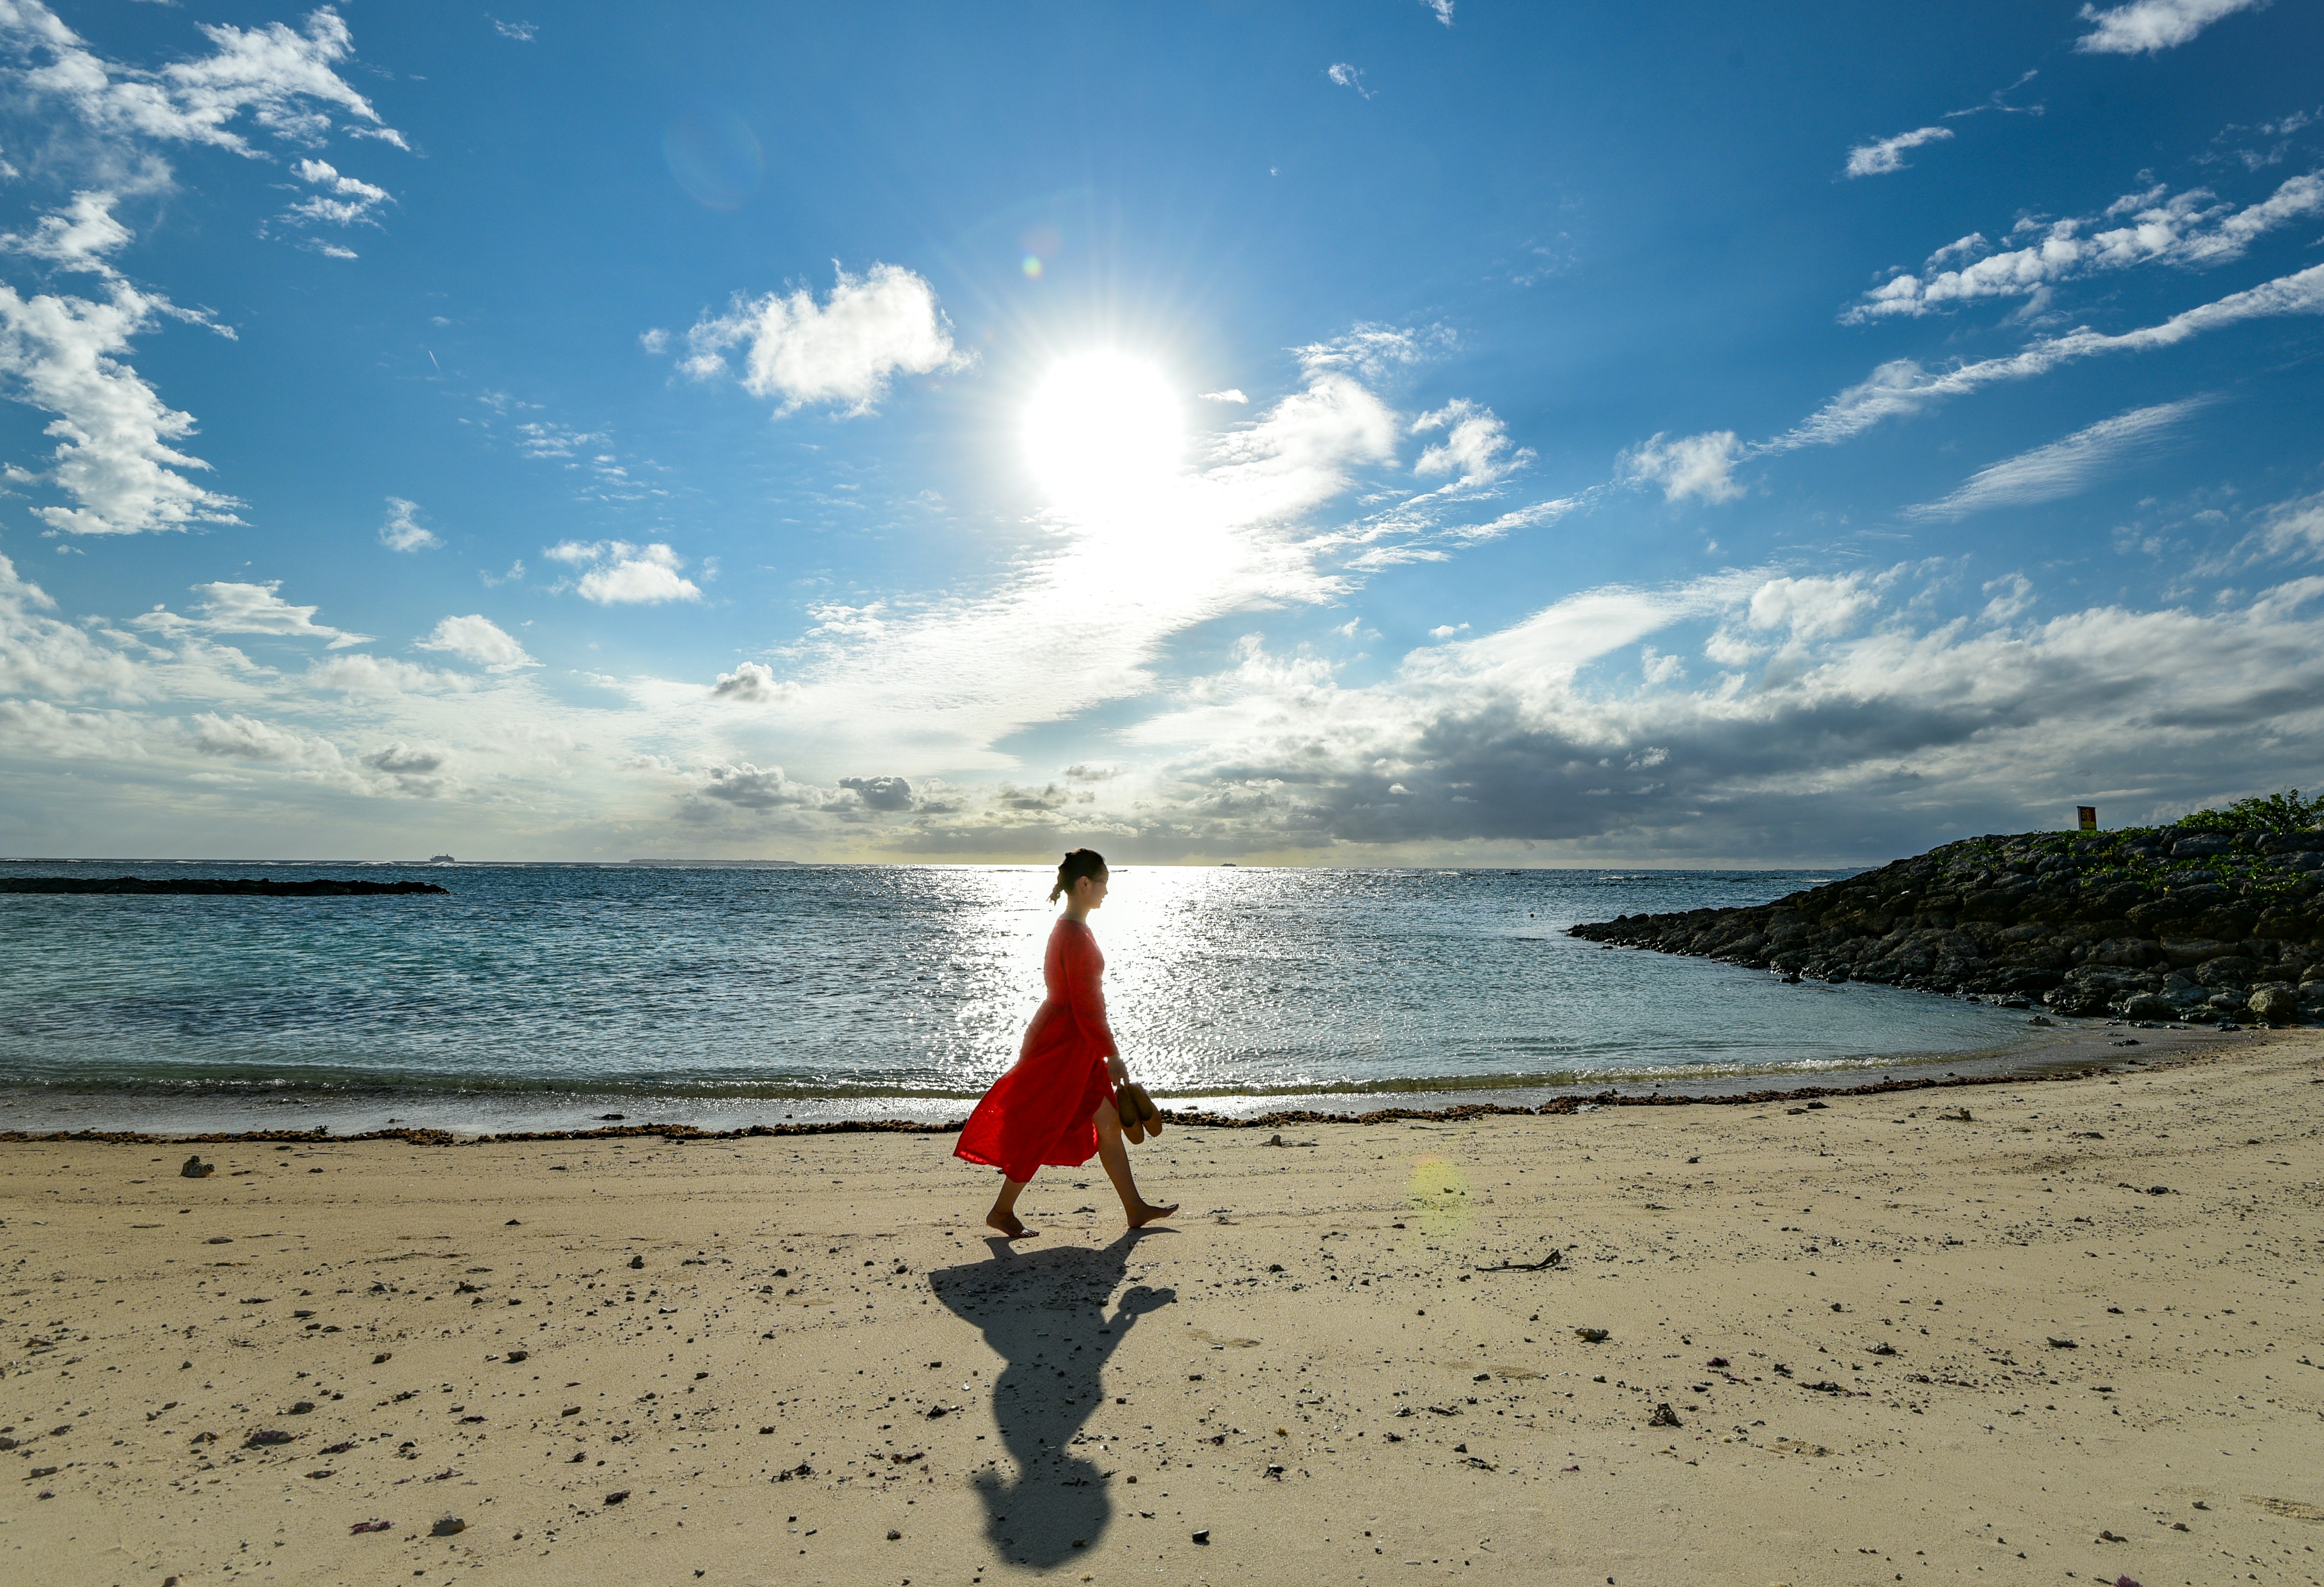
<point x="1103" y="433"/>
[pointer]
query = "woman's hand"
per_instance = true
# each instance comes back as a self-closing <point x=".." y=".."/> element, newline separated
<point x="1117" y="1070"/>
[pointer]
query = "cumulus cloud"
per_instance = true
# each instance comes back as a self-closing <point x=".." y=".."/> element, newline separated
<point x="1692" y="466"/>
<point x="2192" y="228"/>
<point x="249" y="609"/>
<point x="1860" y="736"/>
<point x="753" y="683"/>
<point x="2147" y="27"/>
<point x="79" y="237"/>
<point x="1475" y="450"/>
<point x="344" y="201"/>
<point x="2062" y="468"/>
<point x="1232" y="394"/>
<point x="115" y="455"/>
<point x="746" y="786"/>
<point x="842" y="353"/>
<point x="283" y="81"/>
<point x="479" y="639"/>
<point x="882" y="793"/>
<point x="1879" y="158"/>
<point x="402" y="531"/>
<point x="41" y="655"/>
<point x="622" y="575"/>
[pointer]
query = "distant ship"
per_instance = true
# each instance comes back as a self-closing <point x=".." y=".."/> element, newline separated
<point x="441" y="859"/>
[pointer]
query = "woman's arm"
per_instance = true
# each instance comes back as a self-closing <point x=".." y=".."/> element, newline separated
<point x="1085" y="989"/>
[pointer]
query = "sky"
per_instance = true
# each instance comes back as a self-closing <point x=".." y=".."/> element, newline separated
<point x="1377" y="432"/>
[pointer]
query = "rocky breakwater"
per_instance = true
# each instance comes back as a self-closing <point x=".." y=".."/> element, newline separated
<point x="217" y="887"/>
<point x="2186" y="922"/>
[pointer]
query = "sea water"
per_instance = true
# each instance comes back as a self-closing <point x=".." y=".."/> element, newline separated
<point x="538" y="996"/>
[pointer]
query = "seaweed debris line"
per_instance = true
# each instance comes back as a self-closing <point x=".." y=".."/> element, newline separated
<point x="2187" y="923"/>
<point x="213" y="887"/>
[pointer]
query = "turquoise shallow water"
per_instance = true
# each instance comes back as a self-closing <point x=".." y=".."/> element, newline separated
<point x="761" y="992"/>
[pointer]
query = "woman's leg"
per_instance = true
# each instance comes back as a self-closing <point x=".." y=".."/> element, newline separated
<point x="1003" y="1216"/>
<point x="1115" y="1156"/>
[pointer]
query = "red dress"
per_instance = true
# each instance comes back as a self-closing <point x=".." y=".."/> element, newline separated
<point x="1039" y="1111"/>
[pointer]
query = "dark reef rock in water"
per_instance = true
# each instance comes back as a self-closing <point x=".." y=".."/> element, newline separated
<point x="240" y="887"/>
<point x="2146" y="923"/>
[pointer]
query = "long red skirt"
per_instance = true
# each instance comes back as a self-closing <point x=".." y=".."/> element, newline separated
<point x="1040" y="1111"/>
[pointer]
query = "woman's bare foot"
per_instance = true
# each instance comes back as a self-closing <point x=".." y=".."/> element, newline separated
<point x="1008" y="1223"/>
<point x="1147" y="1213"/>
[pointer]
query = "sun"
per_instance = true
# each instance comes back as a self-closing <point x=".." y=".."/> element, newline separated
<point x="1103" y="433"/>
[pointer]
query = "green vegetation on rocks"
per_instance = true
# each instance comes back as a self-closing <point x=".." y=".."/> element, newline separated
<point x="2205" y="920"/>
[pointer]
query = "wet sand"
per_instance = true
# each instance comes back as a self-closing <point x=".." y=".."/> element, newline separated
<point x="819" y="1370"/>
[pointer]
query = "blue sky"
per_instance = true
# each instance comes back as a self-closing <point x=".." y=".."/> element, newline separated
<point x="1372" y="432"/>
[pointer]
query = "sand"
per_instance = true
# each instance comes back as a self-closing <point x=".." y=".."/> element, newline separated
<point x="797" y="1360"/>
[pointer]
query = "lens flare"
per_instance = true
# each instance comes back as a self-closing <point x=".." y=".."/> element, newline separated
<point x="715" y="158"/>
<point x="1103" y="433"/>
<point x="1438" y="1193"/>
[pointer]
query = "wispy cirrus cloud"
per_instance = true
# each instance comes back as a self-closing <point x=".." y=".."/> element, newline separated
<point x="842" y="353"/>
<point x="1905" y="386"/>
<point x="2063" y="468"/>
<point x="229" y="608"/>
<point x="1884" y="155"/>
<point x="2147" y="27"/>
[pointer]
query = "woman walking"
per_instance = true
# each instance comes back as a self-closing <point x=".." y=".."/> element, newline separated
<point x="1056" y="1103"/>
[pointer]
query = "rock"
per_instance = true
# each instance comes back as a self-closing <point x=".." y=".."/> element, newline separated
<point x="637" y="1261"/>
<point x="1203" y="1535"/>
<point x="617" y="1495"/>
<point x="450" y="1526"/>
<point x="2274" y="1003"/>
<point x="2146" y="1005"/>
<point x="1663" y="1416"/>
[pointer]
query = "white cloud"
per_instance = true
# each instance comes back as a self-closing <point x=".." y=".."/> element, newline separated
<point x="41" y="655"/>
<point x="624" y="574"/>
<point x="1904" y="387"/>
<point x="1475" y="450"/>
<point x="2193" y="228"/>
<point x="2147" y="27"/>
<point x="1443" y="8"/>
<point x="1813" y="608"/>
<point x="1348" y="77"/>
<point x="402" y="531"/>
<point x="66" y="355"/>
<point x="78" y="237"/>
<point x="1859" y="734"/>
<point x="1693" y="465"/>
<point x="749" y="787"/>
<point x="477" y="639"/>
<point x="1878" y="158"/>
<point x="2295" y="527"/>
<point x="282" y="79"/>
<point x="1232" y="394"/>
<point x="381" y="677"/>
<point x="343" y="200"/>
<point x="2062" y="468"/>
<point x="842" y="353"/>
<point x="1374" y="351"/>
<point x="249" y="609"/>
<point x="521" y="31"/>
<point x="753" y="683"/>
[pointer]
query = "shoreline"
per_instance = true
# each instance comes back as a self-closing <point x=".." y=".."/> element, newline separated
<point x="2063" y="1331"/>
<point x="2073" y="1052"/>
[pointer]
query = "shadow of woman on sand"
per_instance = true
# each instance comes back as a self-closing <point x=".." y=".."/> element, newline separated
<point x="1044" y="1312"/>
